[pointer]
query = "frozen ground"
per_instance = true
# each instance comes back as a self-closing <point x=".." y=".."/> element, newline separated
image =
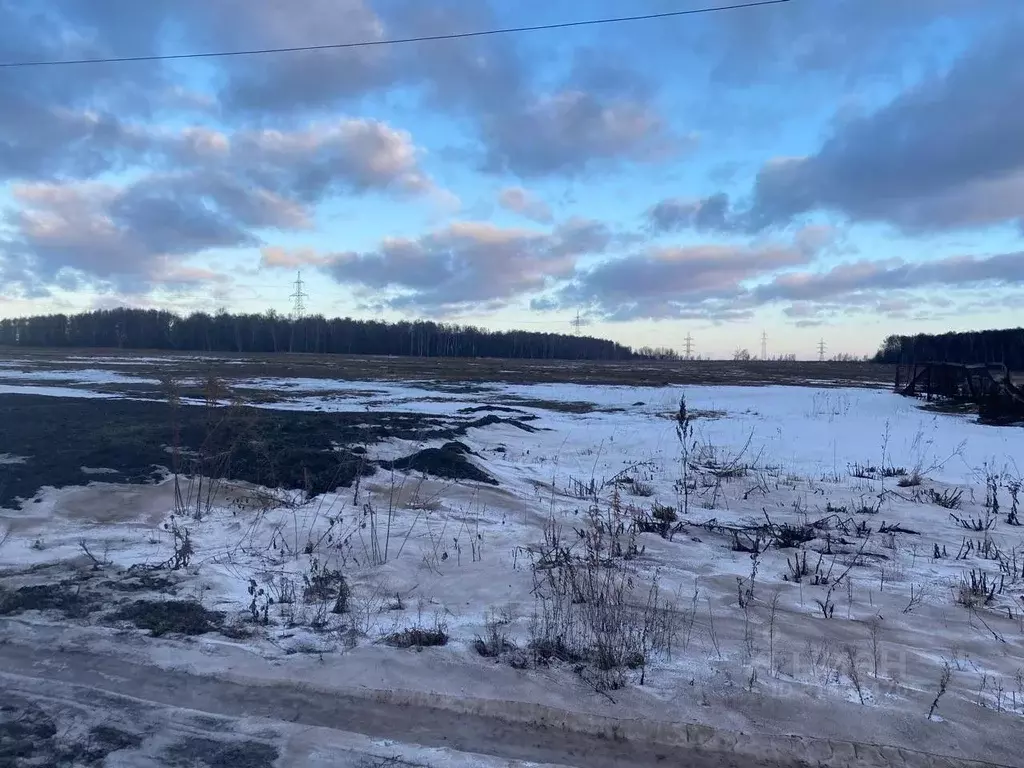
<point x="828" y="563"/>
<point x="81" y="719"/>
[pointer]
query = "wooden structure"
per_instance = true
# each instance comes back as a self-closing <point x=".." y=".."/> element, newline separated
<point x="987" y="385"/>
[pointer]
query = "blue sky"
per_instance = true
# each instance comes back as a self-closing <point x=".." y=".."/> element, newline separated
<point x="837" y="169"/>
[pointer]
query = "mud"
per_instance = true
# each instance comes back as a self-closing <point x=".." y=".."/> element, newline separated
<point x="63" y="440"/>
<point x="211" y="753"/>
<point x="490" y="408"/>
<point x="29" y="736"/>
<point x="473" y="374"/>
<point x="519" y="423"/>
<point x="67" y="598"/>
<point x="161" y="617"/>
<point x="448" y="462"/>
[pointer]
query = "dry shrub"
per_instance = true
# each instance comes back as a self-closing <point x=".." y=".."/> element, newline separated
<point x="587" y="614"/>
<point x="419" y="637"/>
<point x="495" y="643"/>
<point x="976" y="589"/>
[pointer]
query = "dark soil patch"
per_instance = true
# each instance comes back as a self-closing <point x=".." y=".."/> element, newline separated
<point x="208" y="753"/>
<point x="28" y="736"/>
<point x="963" y="408"/>
<point x="472" y="375"/>
<point x="417" y="637"/>
<point x="325" y="585"/>
<point x="112" y="739"/>
<point x="66" y="597"/>
<point x="448" y="462"/>
<point x="285" y="449"/>
<point x="142" y="582"/>
<point x="546" y="651"/>
<point x="561" y="406"/>
<point x="494" y="647"/>
<point x="461" y="386"/>
<point x="698" y="413"/>
<point x="164" y="616"/>
<point x="25" y="733"/>
<point x="950" y="406"/>
<point x="487" y="421"/>
<point x="236" y="632"/>
<point x="492" y="408"/>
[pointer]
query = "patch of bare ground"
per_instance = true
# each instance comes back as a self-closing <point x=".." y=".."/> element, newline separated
<point x="461" y="372"/>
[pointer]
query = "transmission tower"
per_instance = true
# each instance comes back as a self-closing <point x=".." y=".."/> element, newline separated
<point x="821" y="351"/>
<point x="298" y="298"/>
<point x="764" y="345"/>
<point x="689" y="347"/>
<point x="577" y="323"/>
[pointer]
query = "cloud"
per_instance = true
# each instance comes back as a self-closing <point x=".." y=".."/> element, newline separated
<point x="249" y="85"/>
<point x="847" y="41"/>
<point x="45" y="141"/>
<point x="224" y="189"/>
<point x="466" y="264"/>
<point x="673" y="282"/>
<point x="110" y="234"/>
<point x="675" y="214"/>
<point x="728" y="283"/>
<point x="78" y="121"/>
<point x="570" y="131"/>
<point x="245" y="202"/>
<point x="133" y="235"/>
<point x="343" y="155"/>
<point x="73" y="121"/>
<point x="873" y="305"/>
<point x="892" y="275"/>
<point x="943" y="155"/>
<point x="519" y="200"/>
<point x="276" y="257"/>
<point x="816" y="239"/>
<point x="470" y="76"/>
<point x="310" y="80"/>
<point x="594" y="115"/>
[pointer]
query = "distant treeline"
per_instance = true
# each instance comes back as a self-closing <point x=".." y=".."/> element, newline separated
<point x="1004" y="346"/>
<point x="271" y="332"/>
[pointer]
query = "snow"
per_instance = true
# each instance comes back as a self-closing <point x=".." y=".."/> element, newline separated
<point x="132" y="360"/>
<point x="420" y="551"/>
<point x="83" y="376"/>
<point x="77" y="712"/>
<point x="33" y="389"/>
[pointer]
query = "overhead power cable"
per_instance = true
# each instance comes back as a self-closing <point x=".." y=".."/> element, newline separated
<point x="394" y="41"/>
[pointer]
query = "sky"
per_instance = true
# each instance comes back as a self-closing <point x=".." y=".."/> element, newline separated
<point x="833" y="170"/>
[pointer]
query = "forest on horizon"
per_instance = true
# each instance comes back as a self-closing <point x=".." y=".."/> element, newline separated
<point x="991" y="346"/>
<point x="315" y="334"/>
<point x="271" y="332"/>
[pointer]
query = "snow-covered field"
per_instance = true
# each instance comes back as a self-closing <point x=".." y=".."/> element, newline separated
<point x="829" y="562"/>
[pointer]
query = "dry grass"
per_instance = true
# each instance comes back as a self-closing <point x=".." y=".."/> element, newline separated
<point x="472" y="370"/>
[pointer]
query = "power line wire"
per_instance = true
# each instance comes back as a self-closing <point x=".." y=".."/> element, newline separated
<point x="394" y="41"/>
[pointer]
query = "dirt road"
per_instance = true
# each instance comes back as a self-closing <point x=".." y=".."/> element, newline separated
<point x="91" y="679"/>
<point x="265" y="726"/>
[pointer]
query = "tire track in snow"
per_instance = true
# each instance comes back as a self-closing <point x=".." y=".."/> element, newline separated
<point x="506" y="730"/>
